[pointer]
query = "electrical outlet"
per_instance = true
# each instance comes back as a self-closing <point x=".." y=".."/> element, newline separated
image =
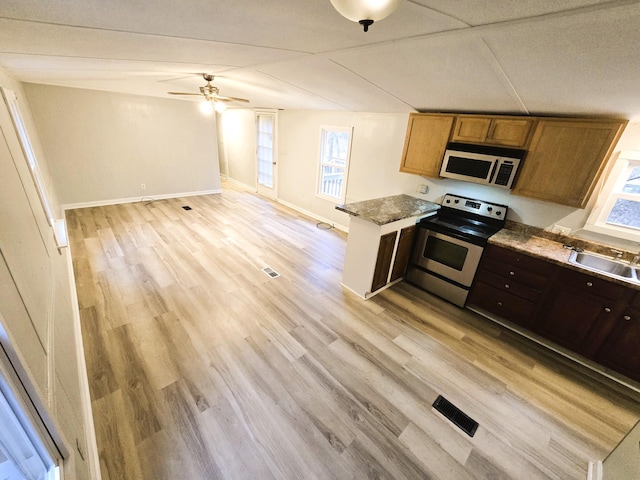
<point x="143" y="186"/>
<point x="560" y="229"/>
<point x="423" y="188"/>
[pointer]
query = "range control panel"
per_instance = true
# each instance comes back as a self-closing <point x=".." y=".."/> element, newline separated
<point x="479" y="207"/>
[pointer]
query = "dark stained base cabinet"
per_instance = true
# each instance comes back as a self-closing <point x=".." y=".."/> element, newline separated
<point x="385" y="257"/>
<point x="592" y="317"/>
<point x="510" y="284"/>
<point x="621" y="350"/>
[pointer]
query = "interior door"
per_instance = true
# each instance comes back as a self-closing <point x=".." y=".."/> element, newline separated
<point x="266" y="154"/>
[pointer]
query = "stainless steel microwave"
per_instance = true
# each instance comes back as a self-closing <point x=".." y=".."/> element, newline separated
<point x="481" y="164"/>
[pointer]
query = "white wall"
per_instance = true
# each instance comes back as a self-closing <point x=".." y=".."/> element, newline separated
<point x="36" y="302"/>
<point x="377" y="145"/>
<point x="102" y="146"/>
<point x="623" y="463"/>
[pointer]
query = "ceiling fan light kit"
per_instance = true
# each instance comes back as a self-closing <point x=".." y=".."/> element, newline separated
<point x="212" y="98"/>
<point x="365" y="12"/>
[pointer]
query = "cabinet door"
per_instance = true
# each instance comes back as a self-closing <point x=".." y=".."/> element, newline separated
<point x="577" y="320"/>
<point x="471" y="129"/>
<point x="620" y="349"/>
<point x="403" y="252"/>
<point x="425" y="143"/>
<point x="383" y="262"/>
<point x="566" y="159"/>
<point x="509" y="132"/>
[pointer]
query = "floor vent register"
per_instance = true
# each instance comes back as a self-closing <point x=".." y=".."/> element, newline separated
<point x="271" y="272"/>
<point x="457" y="416"/>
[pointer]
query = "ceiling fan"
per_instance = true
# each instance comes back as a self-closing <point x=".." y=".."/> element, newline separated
<point x="211" y="93"/>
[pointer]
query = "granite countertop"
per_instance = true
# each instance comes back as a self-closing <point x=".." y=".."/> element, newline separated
<point x="551" y="249"/>
<point x="389" y="209"/>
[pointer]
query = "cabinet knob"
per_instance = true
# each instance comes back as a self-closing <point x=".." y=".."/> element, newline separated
<point x="506" y="285"/>
<point x="607" y="309"/>
<point x="589" y="284"/>
<point x="627" y="317"/>
<point x="499" y="304"/>
<point x="512" y="273"/>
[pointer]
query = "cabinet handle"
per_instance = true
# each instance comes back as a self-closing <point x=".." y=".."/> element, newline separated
<point x="627" y="317"/>
<point x="499" y="304"/>
<point x="607" y="309"/>
<point x="512" y="273"/>
<point x="589" y="284"/>
<point x="506" y="285"/>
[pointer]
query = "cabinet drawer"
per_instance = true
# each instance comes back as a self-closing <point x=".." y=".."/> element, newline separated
<point x="516" y="273"/>
<point x="522" y="260"/>
<point x="592" y="285"/>
<point x="506" y="305"/>
<point x="510" y="285"/>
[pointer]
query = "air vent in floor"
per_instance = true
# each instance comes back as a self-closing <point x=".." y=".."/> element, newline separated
<point x="271" y="272"/>
<point x="187" y="207"/>
<point x="457" y="416"/>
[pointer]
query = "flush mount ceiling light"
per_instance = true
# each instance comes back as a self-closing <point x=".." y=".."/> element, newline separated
<point x="365" y="12"/>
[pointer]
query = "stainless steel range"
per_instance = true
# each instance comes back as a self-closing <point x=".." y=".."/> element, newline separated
<point x="449" y="245"/>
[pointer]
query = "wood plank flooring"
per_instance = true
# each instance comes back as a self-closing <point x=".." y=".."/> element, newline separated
<point x="203" y="367"/>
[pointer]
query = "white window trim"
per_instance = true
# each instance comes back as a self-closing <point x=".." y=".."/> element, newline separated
<point x="607" y="197"/>
<point x="337" y="128"/>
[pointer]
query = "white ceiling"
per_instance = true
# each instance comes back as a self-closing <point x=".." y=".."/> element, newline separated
<point x="525" y="56"/>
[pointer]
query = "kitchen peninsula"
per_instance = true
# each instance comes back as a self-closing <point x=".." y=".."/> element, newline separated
<point x="380" y="239"/>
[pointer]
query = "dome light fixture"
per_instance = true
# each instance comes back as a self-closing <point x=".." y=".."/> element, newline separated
<point x="365" y="12"/>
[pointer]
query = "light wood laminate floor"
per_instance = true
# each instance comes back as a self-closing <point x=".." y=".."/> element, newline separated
<point x="203" y="367"/>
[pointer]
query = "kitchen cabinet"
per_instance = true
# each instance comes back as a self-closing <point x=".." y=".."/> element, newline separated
<point x="620" y="350"/>
<point x="403" y="253"/>
<point x="394" y="250"/>
<point x="425" y="143"/>
<point x="510" y="284"/>
<point x="383" y="262"/>
<point x="492" y="130"/>
<point x="566" y="158"/>
<point x="581" y="310"/>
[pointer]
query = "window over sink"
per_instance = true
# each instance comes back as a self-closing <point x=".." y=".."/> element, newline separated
<point x="617" y="212"/>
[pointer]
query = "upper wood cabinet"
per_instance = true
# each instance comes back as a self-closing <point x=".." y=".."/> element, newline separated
<point x="490" y="130"/>
<point x="425" y="143"/>
<point x="565" y="159"/>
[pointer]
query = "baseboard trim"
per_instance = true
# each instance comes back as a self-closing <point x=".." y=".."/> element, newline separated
<point x="293" y="206"/>
<point x="314" y="216"/>
<point x="594" y="471"/>
<point x="117" y="201"/>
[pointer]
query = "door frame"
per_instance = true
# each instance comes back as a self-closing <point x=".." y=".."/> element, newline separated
<point x="269" y="192"/>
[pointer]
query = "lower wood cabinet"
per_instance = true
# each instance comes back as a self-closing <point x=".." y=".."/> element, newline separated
<point x="510" y="284"/>
<point x="595" y="318"/>
<point x="383" y="273"/>
<point x="621" y="349"/>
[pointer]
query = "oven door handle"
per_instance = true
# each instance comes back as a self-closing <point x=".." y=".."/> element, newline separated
<point x="465" y="238"/>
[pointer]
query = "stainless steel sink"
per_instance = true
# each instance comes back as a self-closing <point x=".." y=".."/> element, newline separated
<point x="604" y="265"/>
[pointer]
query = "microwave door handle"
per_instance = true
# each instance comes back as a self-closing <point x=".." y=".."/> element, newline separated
<point x="493" y="171"/>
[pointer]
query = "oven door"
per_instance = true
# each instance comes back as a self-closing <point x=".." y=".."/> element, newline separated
<point x="449" y="257"/>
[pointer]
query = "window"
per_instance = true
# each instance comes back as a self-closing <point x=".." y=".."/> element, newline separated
<point x="335" y="149"/>
<point x="617" y="212"/>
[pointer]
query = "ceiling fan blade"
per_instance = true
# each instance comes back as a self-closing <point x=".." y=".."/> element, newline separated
<point x="222" y="98"/>
<point x="184" y="93"/>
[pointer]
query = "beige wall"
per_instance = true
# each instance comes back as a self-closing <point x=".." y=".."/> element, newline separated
<point x="623" y="463"/>
<point x="377" y="145"/>
<point x="36" y="301"/>
<point x="102" y="146"/>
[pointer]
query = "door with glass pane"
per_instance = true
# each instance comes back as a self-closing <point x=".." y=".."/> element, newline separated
<point x="266" y="153"/>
